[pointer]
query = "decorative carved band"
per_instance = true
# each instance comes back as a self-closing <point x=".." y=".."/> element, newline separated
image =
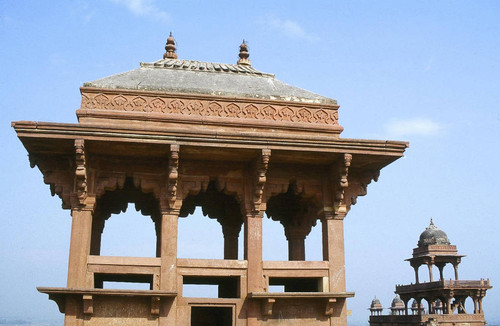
<point x="219" y="108"/>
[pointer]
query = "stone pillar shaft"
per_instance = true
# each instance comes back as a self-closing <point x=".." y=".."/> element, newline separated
<point x="253" y="254"/>
<point x="333" y="252"/>
<point x="168" y="277"/>
<point x="79" y="249"/>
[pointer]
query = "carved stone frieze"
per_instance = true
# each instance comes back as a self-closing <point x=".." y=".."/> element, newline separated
<point x="202" y="107"/>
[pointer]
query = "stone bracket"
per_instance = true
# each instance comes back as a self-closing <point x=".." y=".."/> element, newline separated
<point x="155" y="306"/>
<point x="267" y="306"/>
<point x="88" y="304"/>
<point x="329" y="306"/>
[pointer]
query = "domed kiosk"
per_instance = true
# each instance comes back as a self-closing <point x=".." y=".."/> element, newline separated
<point x="445" y="298"/>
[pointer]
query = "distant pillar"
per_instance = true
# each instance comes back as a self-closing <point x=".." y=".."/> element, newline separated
<point x="440" y="267"/>
<point x="455" y="267"/>
<point x="416" y="273"/>
<point x="430" y="272"/>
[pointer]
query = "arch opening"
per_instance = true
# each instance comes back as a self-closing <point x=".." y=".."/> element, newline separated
<point x="216" y="205"/>
<point x="297" y="216"/>
<point x="128" y="233"/>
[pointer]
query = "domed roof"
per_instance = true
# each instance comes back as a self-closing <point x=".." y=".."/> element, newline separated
<point x="433" y="236"/>
<point x="397" y="302"/>
<point x="376" y="304"/>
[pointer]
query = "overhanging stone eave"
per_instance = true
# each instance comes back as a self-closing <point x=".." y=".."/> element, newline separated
<point x="30" y="131"/>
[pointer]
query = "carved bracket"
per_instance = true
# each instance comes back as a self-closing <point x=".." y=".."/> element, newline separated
<point x="173" y="175"/>
<point x="358" y="185"/>
<point x="80" y="172"/>
<point x="88" y="304"/>
<point x="341" y="183"/>
<point x="260" y="178"/>
<point x="267" y="306"/>
<point x="60" y="184"/>
<point x="329" y="306"/>
<point x="155" y="306"/>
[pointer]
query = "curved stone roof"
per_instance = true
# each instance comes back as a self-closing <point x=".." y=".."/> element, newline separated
<point x="433" y="236"/>
<point x="197" y="77"/>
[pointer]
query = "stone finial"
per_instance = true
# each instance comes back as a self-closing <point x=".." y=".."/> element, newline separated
<point x="170" y="48"/>
<point x="244" y="55"/>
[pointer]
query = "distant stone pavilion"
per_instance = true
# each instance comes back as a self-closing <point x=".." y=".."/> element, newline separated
<point x="178" y="134"/>
<point x="445" y="298"/>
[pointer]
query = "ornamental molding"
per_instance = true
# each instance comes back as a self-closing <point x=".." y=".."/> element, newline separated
<point x="203" y="107"/>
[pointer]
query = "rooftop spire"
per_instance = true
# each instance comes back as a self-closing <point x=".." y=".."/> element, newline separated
<point x="170" y="48"/>
<point x="244" y="55"/>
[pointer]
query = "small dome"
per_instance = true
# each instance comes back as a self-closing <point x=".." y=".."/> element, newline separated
<point x="376" y="303"/>
<point x="397" y="302"/>
<point x="433" y="236"/>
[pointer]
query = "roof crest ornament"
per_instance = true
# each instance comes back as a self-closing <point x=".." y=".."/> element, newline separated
<point x="170" y="48"/>
<point x="244" y="55"/>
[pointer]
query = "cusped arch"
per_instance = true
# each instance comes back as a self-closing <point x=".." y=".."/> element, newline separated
<point x="115" y="202"/>
<point x="222" y="206"/>
<point x="298" y="214"/>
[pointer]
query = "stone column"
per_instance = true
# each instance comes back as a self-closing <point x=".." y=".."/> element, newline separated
<point x="231" y="234"/>
<point x="79" y="249"/>
<point x="416" y="273"/>
<point x="429" y="265"/>
<point x="253" y="255"/>
<point x="333" y="252"/>
<point x="440" y="266"/>
<point x="455" y="267"/>
<point x="296" y="236"/>
<point x="168" y="276"/>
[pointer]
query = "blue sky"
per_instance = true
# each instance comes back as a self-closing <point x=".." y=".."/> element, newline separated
<point x="421" y="71"/>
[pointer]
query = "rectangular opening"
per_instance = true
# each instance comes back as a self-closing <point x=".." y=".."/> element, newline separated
<point x="295" y="284"/>
<point x="123" y="281"/>
<point x="211" y="286"/>
<point x="211" y="316"/>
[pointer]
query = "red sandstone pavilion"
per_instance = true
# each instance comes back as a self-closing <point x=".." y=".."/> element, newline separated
<point x="178" y="134"/>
